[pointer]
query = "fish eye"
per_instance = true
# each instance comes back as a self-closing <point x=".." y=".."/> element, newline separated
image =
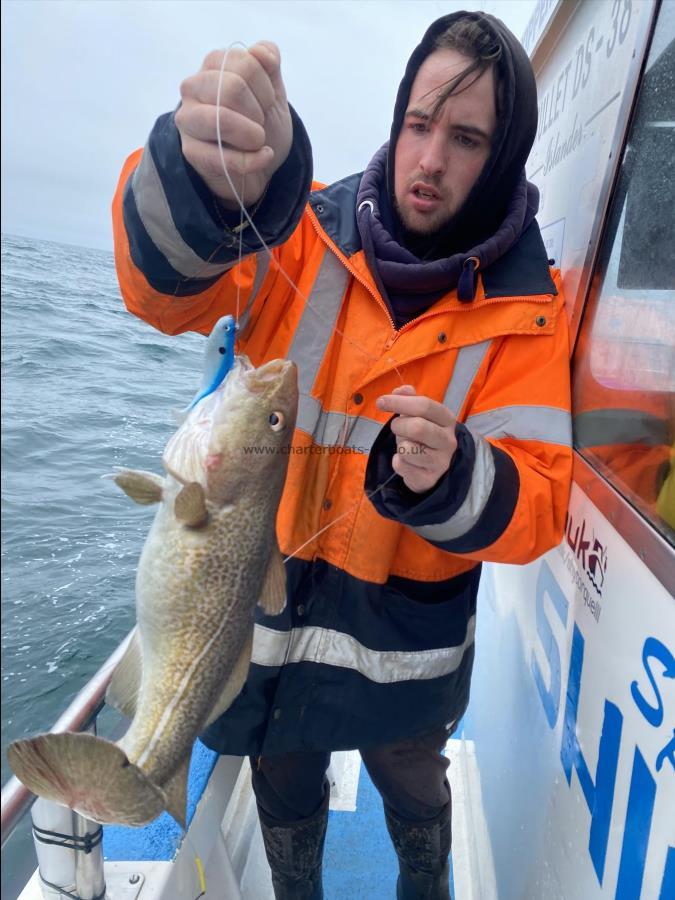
<point x="221" y="350"/>
<point x="228" y="328"/>
<point x="277" y="421"/>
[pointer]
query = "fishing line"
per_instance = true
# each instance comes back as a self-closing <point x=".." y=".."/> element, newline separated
<point x="339" y="518"/>
<point x="251" y="223"/>
<point x="314" y="536"/>
<point x="241" y="247"/>
<point x="244" y="213"/>
<point x="242" y="209"/>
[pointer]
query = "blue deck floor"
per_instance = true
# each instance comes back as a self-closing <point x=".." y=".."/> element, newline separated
<point x="359" y="858"/>
<point x="359" y="862"/>
<point x="159" y="840"/>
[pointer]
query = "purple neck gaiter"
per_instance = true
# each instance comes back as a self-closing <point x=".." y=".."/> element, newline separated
<point x="410" y="285"/>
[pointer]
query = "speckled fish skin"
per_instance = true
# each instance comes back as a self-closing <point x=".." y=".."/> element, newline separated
<point x="196" y="589"/>
<point x="210" y="556"/>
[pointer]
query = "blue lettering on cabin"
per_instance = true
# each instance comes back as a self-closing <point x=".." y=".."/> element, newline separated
<point x="668" y="753"/>
<point x="653" y="649"/>
<point x="547" y="585"/>
<point x="599" y="795"/>
<point x="667" y="891"/>
<point x="636" y="833"/>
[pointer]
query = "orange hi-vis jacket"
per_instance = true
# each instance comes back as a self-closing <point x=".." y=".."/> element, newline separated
<point x="338" y="330"/>
<point x="500" y="363"/>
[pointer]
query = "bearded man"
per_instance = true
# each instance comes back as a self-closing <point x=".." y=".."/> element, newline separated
<point x="431" y="340"/>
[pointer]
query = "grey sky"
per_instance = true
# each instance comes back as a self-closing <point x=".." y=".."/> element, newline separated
<point x="84" y="80"/>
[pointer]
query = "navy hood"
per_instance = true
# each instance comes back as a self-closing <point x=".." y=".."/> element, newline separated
<point x="488" y="201"/>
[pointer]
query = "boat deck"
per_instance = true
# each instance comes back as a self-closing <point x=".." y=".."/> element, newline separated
<point x="359" y="859"/>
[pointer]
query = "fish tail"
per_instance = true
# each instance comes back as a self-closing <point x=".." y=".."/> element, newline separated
<point x="91" y="775"/>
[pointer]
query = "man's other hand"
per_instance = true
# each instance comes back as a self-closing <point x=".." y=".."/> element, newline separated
<point x="425" y="437"/>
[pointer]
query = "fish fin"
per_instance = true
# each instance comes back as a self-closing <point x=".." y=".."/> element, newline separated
<point x="122" y="693"/>
<point x="143" y="487"/>
<point x="175" y="789"/>
<point x="273" y="596"/>
<point x="190" y="506"/>
<point x="234" y="683"/>
<point x="90" y="775"/>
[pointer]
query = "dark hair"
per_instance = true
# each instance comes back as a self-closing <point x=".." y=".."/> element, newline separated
<point x="473" y="38"/>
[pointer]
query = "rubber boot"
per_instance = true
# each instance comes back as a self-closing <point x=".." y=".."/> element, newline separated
<point x="295" y="853"/>
<point x="422" y="849"/>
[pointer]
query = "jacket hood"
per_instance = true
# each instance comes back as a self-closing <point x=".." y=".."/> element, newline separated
<point x="487" y="203"/>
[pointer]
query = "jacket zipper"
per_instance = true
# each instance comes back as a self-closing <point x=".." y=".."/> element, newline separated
<point x="356" y="275"/>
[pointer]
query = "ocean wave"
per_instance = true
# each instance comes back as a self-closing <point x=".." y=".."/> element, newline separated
<point x="86" y="386"/>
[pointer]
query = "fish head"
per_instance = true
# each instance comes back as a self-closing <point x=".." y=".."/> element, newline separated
<point x="240" y="434"/>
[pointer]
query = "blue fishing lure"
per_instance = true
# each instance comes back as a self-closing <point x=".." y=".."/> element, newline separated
<point x="218" y="358"/>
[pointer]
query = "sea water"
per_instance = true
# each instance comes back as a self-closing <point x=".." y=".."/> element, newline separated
<point x="86" y="386"/>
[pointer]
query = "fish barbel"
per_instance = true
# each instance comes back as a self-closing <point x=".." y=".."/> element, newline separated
<point x="210" y="556"/>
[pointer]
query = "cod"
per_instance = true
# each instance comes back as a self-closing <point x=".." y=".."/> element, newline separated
<point x="211" y="554"/>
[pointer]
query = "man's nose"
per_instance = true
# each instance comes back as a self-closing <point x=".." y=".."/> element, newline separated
<point x="434" y="157"/>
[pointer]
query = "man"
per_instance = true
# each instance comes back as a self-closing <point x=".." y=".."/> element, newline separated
<point x="421" y="289"/>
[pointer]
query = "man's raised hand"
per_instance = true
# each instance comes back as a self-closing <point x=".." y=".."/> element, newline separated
<point x="255" y="122"/>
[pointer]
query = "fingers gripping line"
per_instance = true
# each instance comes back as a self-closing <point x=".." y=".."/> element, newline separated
<point x="251" y="223"/>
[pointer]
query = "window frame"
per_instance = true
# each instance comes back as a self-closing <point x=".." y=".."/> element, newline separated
<point x="640" y="533"/>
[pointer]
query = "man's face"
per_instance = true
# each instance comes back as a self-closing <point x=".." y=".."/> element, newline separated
<point x="438" y="161"/>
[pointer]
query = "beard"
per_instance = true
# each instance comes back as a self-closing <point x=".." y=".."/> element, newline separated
<point x="425" y="243"/>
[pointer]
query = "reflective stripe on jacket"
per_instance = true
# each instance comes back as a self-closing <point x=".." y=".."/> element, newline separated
<point x="356" y="636"/>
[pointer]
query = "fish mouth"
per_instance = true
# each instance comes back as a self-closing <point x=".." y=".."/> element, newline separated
<point x="186" y="452"/>
<point x="272" y="372"/>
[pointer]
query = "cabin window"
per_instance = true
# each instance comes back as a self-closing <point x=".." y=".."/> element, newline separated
<point x="624" y="362"/>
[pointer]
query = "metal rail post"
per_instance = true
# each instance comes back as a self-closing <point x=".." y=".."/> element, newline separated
<point x="17" y="799"/>
<point x="89" y="875"/>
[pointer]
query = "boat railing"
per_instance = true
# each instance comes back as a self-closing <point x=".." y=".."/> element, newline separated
<point x="79" y="716"/>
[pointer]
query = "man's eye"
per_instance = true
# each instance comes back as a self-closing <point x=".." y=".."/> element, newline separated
<point x="466" y="141"/>
<point x="418" y="127"/>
